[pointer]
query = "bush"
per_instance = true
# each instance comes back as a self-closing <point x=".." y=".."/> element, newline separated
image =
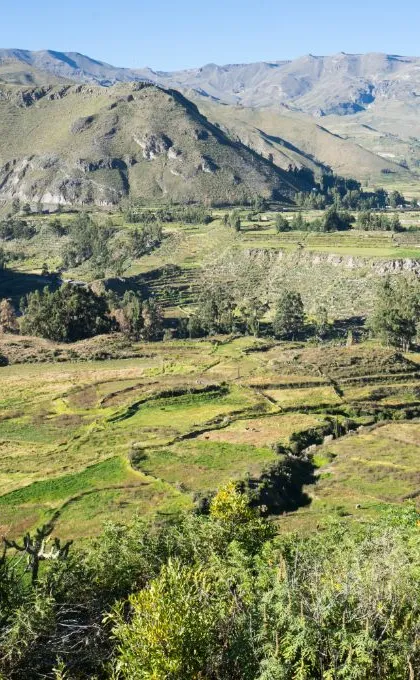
<point x="220" y="596"/>
<point x="282" y="224"/>
<point x="16" y="229"/>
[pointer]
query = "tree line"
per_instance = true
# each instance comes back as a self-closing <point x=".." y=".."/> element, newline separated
<point x="344" y="193"/>
<point x="74" y="312"/>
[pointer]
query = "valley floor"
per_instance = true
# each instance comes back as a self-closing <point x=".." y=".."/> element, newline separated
<point x="83" y="442"/>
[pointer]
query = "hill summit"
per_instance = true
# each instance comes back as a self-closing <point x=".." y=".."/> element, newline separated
<point x="81" y="144"/>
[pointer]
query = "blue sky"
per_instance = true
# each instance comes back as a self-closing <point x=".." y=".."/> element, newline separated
<point x="171" y="34"/>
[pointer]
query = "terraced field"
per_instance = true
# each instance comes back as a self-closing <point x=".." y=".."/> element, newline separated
<point x="84" y="442"/>
<point x="337" y="269"/>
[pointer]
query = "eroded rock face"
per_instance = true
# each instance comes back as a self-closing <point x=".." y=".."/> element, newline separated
<point x="381" y="267"/>
<point x="59" y="182"/>
<point x="101" y="164"/>
<point x="153" y="145"/>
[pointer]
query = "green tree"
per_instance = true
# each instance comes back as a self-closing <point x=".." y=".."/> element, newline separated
<point x="152" y="320"/>
<point x="289" y="316"/>
<point x="216" y="309"/>
<point x="235" y="220"/>
<point x="172" y="631"/>
<point x="337" y="221"/>
<point x="8" y="321"/>
<point x="282" y="223"/>
<point x="321" y="322"/>
<point x="68" y="314"/>
<point x="396" y="199"/>
<point x="3" y="259"/>
<point x="260" y="204"/>
<point x="129" y="315"/>
<point x="88" y="242"/>
<point x="397" y="311"/>
<point x="252" y="310"/>
<point x="298" y="223"/>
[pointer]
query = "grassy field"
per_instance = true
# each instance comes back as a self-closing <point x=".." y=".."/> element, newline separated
<point x="82" y="443"/>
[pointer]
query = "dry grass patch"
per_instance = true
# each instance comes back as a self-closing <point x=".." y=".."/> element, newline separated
<point x="262" y="431"/>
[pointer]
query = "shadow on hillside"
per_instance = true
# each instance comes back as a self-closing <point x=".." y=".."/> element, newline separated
<point x="15" y="284"/>
<point x="281" y="488"/>
<point x="354" y="325"/>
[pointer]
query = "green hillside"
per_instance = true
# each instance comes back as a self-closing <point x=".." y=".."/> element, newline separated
<point x="82" y="144"/>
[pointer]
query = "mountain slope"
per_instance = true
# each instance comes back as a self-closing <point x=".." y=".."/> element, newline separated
<point x="337" y="84"/>
<point x="297" y="139"/>
<point x="85" y="144"/>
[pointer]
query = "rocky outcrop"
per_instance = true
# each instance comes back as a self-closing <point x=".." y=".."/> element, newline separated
<point x="208" y="165"/>
<point x="153" y="145"/>
<point x="381" y="267"/>
<point x="60" y="183"/>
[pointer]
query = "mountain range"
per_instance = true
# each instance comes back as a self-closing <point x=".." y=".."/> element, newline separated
<point x="339" y="84"/>
<point x="356" y="114"/>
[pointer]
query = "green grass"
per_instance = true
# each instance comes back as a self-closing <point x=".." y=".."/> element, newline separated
<point x="86" y="442"/>
<point x="112" y="471"/>
<point x="201" y="465"/>
<point x="359" y="474"/>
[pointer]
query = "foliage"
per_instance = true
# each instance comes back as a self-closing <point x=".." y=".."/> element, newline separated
<point x="152" y="320"/>
<point x="144" y="240"/>
<point x="11" y="229"/>
<point x="220" y="596"/>
<point x="233" y="220"/>
<point x="230" y="505"/>
<point x="57" y="227"/>
<point x="184" y="214"/>
<point x="65" y="315"/>
<point x="88" y="242"/>
<point x="397" y="311"/>
<point x="128" y="315"/>
<point x="332" y="220"/>
<point x="344" y="193"/>
<point x="369" y="221"/>
<point x="337" y="221"/>
<point x="289" y="316"/>
<point x="215" y="312"/>
<point x="8" y="321"/>
<point x="139" y="319"/>
<point x="282" y="224"/>
<point x="172" y="631"/>
<point x="345" y="607"/>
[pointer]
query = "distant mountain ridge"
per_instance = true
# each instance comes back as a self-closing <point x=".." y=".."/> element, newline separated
<point x="321" y="85"/>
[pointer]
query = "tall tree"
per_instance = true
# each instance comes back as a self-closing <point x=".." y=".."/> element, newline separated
<point x="397" y="311"/>
<point x="8" y="321"/>
<point x="289" y="316"/>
